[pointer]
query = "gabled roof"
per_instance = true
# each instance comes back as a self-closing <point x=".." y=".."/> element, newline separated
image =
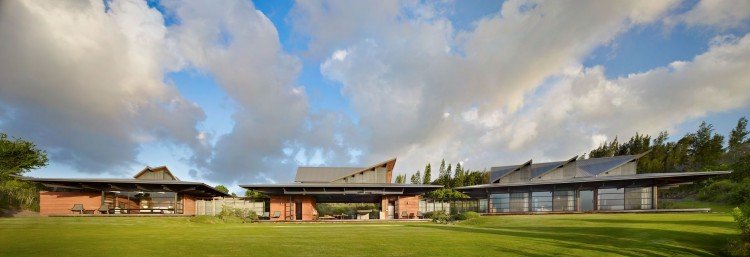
<point x="496" y="173"/>
<point x="330" y="174"/>
<point x="150" y="169"/>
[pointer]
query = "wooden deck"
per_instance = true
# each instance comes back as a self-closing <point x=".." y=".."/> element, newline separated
<point x="121" y="215"/>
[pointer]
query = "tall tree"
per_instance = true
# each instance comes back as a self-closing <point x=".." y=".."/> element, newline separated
<point x="222" y="188"/>
<point x="427" y="174"/>
<point x="401" y="179"/>
<point x="17" y="157"/>
<point x="739" y="134"/>
<point x="416" y="178"/>
<point x="707" y="148"/>
<point x="605" y="149"/>
<point x="458" y="176"/>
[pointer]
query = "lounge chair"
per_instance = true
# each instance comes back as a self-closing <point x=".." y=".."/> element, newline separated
<point x="276" y="215"/>
<point x="404" y="215"/>
<point x="78" y="208"/>
<point x="265" y="216"/>
<point x="420" y="214"/>
<point x="104" y="209"/>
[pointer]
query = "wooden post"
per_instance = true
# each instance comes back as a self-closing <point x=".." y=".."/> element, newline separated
<point x="654" y="197"/>
<point x="596" y="198"/>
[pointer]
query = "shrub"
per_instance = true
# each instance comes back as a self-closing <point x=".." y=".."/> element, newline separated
<point x="206" y="219"/>
<point x="236" y="215"/>
<point x="726" y="191"/>
<point x="441" y="217"/>
<point x="741" y="246"/>
<point x="466" y="215"/>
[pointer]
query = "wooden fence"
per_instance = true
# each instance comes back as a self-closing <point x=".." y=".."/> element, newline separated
<point x="213" y="206"/>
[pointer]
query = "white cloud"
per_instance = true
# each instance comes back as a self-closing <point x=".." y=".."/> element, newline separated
<point x="87" y="85"/>
<point x="725" y="14"/>
<point x="401" y="81"/>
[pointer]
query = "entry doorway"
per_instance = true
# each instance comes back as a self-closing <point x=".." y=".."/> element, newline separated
<point x="391" y="210"/>
<point x="586" y="200"/>
<point x="298" y="210"/>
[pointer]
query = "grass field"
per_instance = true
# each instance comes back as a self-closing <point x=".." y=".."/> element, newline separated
<point x="690" y="234"/>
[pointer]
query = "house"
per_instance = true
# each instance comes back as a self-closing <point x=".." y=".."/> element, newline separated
<point x="576" y="185"/>
<point x="152" y="191"/>
<point x="371" y="184"/>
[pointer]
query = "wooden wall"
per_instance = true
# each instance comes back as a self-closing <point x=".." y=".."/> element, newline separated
<point x="60" y="203"/>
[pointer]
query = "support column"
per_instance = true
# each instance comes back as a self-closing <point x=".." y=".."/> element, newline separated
<point x="654" y="197"/>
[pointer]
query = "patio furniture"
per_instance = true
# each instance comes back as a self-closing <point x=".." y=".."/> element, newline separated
<point x="104" y="209"/>
<point x="276" y="214"/>
<point x="420" y="214"/>
<point x="78" y="208"/>
<point x="265" y="216"/>
<point x="363" y="214"/>
<point x="404" y="215"/>
<point x="411" y="215"/>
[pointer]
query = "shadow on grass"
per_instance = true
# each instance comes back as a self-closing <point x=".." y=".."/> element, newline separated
<point x="704" y="223"/>
<point x="601" y="240"/>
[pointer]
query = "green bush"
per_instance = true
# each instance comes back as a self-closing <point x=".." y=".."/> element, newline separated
<point x="206" y="219"/>
<point x="236" y="215"/>
<point x="441" y="217"/>
<point x="466" y="215"/>
<point x="741" y="246"/>
<point x="726" y="191"/>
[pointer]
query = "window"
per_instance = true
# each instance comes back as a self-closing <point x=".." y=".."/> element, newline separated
<point x="638" y="198"/>
<point x="500" y="202"/>
<point x="519" y="202"/>
<point x="564" y="201"/>
<point x="541" y="201"/>
<point x="611" y="199"/>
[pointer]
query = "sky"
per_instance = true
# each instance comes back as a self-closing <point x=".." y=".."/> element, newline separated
<point x="246" y="91"/>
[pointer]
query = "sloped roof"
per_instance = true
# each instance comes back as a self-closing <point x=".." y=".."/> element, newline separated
<point x="596" y="166"/>
<point x="160" y="168"/>
<point x="497" y="173"/>
<point x="537" y="169"/>
<point x="323" y="174"/>
<point x="329" y="174"/>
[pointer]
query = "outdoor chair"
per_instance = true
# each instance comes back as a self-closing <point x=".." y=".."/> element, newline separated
<point x="78" y="208"/>
<point x="404" y="215"/>
<point x="276" y="214"/>
<point x="420" y="214"/>
<point x="104" y="209"/>
<point x="265" y="215"/>
<point x="411" y="215"/>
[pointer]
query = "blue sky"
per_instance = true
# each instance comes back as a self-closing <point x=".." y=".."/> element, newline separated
<point x="227" y="98"/>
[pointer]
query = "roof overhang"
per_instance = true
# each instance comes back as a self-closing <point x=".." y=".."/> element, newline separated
<point x="102" y="184"/>
<point x="322" y="189"/>
<point x="659" y="179"/>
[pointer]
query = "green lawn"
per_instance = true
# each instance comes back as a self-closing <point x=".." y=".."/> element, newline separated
<point x="525" y="235"/>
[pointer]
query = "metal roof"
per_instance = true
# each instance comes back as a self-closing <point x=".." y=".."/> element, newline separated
<point x="330" y="174"/>
<point x="323" y="174"/>
<point x="115" y="184"/>
<point x="502" y="171"/>
<point x="591" y="167"/>
<point x="341" y="188"/>
<point x="599" y="179"/>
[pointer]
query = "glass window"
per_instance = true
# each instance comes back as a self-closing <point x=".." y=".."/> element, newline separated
<point x="564" y="201"/>
<point x="611" y="199"/>
<point x="541" y="201"/>
<point x="500" y="202"/>
<point x="519" y="202"/>
<point x="638" y="198"/>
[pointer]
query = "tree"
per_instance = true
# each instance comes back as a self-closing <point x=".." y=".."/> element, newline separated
<point x="17" y="157"/>
<point x="605" y="150"/>
<point x="427" y="176"/>
<point x="458" y="176"/>
<point x="739" y="134"/>
<point x="416" y="178"/>
<point x="254" y="194"/>
<point x="707" y="147"/>
<point x="441" y="172"/>
<point x="222" y="188"/>
<point x="401" y="179"/>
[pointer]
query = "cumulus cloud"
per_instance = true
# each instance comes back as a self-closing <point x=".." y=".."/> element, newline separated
<point x="716" y="14"/>
<point x="516" y="79"/>
<point x="87" y="85"/>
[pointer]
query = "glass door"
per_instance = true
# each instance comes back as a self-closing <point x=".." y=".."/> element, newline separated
<point x="586" y="200"/>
